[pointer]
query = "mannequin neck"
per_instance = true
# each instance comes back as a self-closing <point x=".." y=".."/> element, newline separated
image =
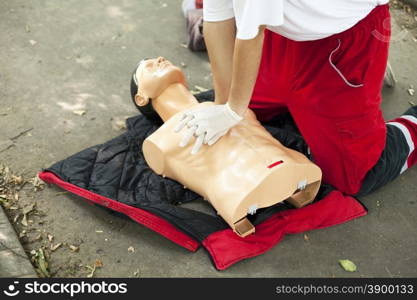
<point x="173" y="99"/>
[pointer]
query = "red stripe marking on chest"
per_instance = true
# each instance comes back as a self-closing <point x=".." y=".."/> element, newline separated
<point x="275" y="164"/>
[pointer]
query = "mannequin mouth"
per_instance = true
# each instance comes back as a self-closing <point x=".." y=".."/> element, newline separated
<point x="158" y="64"/>
<point x="153" y="66"/>
<point x="162" y="67"/>
<point x="164" y="64"/>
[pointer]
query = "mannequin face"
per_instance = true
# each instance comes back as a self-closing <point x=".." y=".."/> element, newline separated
<point x="154" y="76"/>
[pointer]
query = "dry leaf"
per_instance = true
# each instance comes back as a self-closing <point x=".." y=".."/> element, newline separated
<point x="79" y="112"/>
<point x="17" y="179"/>
<point x="347" y="265"/>
<point x="24" y="221"/>
<point x="306" y="238"/>
<point x="98" y="263"/>
<point x="131" y="249"/>
<point x="411" y="91"/>
<point x="41" y="264"/>
<point x="37" y="183"/>
<point x="50" y="237"/>
<point x="118" y="124"/>
<point x="28" y="209"/>
<point x="92" y="270"/>
<point x="15" y="218"/>
<point x="54" y="247"/>
<point x="74" y="248"/>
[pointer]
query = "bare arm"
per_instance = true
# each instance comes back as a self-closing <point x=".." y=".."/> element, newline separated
<point x="246" y="61"/>
<point x="220" y="42"/>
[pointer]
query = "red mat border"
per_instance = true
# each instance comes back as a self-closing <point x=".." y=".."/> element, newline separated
<point x="141" y="216"/>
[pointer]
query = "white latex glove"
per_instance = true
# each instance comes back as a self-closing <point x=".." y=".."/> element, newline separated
<point x="207" y="124"/>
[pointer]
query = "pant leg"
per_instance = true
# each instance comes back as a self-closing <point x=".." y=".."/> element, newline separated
<point x="270" y="91"/>
<point x="399" y="154"/>
<point x="335" y="99"/>
<point x="409" y="129"/>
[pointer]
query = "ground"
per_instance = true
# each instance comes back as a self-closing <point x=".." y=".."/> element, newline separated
<point x="64" y="86"/>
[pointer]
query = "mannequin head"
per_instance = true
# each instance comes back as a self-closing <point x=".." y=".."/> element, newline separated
<point x="153" y="76"/>
<point x="149" y="79"/>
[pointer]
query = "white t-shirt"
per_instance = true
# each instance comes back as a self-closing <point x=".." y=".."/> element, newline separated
<point x="299" y="20"/>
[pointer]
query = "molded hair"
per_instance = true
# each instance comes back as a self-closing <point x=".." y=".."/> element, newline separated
<point x="147" y="110"/>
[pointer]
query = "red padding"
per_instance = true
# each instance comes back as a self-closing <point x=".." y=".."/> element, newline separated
<point x="227" y="248"/>
<point x="139" y="215"/>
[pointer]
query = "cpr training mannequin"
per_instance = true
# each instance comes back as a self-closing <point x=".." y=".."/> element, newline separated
<point x="247" y="169"/>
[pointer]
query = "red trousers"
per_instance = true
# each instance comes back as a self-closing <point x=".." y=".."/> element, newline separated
<point x="332" y="88"/>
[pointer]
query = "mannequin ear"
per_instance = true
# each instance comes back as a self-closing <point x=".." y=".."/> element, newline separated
<point x="140" y="99"/>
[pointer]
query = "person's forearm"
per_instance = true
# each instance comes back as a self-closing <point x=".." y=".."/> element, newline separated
<point x="246" y="61"/>
<point x="220" y="42"/>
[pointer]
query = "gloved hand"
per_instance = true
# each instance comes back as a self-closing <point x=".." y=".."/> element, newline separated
<point x="207" y="124"/>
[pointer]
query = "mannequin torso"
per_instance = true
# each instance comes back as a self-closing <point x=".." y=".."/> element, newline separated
<point x="247" y="169"/>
